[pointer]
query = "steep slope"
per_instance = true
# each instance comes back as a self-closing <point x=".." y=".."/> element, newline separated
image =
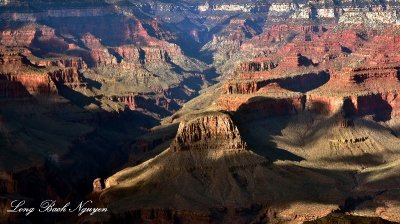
<point x="210" y="180"/>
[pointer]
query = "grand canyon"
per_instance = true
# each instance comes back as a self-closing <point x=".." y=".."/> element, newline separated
<point x="201" y="111"/>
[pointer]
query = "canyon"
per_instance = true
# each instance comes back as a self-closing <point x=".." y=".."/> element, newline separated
<point x="201" y="111"/>
<point x="317" y="110"/>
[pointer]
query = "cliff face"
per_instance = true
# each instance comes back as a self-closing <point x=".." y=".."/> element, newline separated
<point x="20" y="37"/>
<point x="69" y="76"/>
<point x="82" y="43"/>
<point x="208" y="132"/>
<point x="204" y="148"/>
<point x="25" y="85"/>
<point x="319" y="67"/>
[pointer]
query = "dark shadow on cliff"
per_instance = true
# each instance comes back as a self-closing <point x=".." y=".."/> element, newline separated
<point x="374" y="105"/>
<point x="98" y="153"/>
<point x="212" y="75"/>
<point x="365" y="160"/>
<point x="197" y="82"/>
<point x="92" y="83"/>
<point x="27" y="62"/>
<point x="191" y="43"/>
<point x="42" y="47"/>
<point x="17" y="90"/>
<point x="105" y="27"/>
<point x="77" y="98"/>
<point x="338" y="217"/>
<point x="290" y="184"/>
<point x="260" y="108"/>
<point x="304" y="83"/>
<point x="262" y="119"/>
<point x="150" y="105"/>
<point x="299" y="83"/>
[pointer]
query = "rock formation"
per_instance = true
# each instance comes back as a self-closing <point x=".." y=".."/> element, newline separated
<point x="25" y="85"/>
<point x="97" y="188"/>
<point x="208" y="132"/>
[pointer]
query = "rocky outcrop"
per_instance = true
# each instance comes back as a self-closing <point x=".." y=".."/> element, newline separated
<point x="279" y="9"/>
<point x="210" y="131"/>
<point x="97" y="187"/>
<point x="68" y="62"/>
<point x="256" y="65"/>
<point x="372" y="18"/>
<point x="68" y="76"/>
<point x="25" y="85"/>
<point x="11" y="59"/>
<point x="363" y="75"/>
<point x="19" y="37"/>
<point x="244" y="87"/>
<point x="231" y="103"/>
<point x="133" y="56"/>
<point x="327" y="88"/>
<point x="155" y="103"/>
<point x="161" y="54"/>
<point x="239" y="7"/>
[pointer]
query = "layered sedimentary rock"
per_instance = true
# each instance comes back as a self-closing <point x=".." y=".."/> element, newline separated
<point x="69" y="76"/>
<point x="21" y="37"/>
<point x="332" y="90"/>
<point x="208" y="132"/>
<point x="101" y="42"/>
<point x="156" y="104"/>
<point x="240" y="6"/>
<point x="69" y="62"/>
<point x="25" y="85"/>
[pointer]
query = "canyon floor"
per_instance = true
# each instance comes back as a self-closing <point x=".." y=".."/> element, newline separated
<point x="195" y="111"/>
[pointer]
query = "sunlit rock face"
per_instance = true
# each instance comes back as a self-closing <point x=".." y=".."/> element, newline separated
<point x="372" y="18"/>
<point x="243" y="6"/>
<point x="278" y="8"/>
<point x="208" y="132"/>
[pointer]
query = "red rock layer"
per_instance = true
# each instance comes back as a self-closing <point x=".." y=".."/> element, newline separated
<point x="12" y="57"/>
<point x="137" y="101"/>
<point x="67" y="76"/>
<point x="263" y="105"/>
<point x="355" y="73"/>
<point x="70" y="62"/>
<point x="19" y="37"/>
<point x="24" y="85"/>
